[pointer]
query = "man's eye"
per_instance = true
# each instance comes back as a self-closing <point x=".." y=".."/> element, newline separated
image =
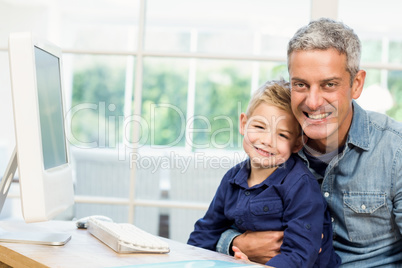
<point x="330" y="84"/>
<point x="298" y="86"/>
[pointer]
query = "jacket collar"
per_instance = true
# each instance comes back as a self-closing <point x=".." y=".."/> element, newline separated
<point x="275" y="178"/>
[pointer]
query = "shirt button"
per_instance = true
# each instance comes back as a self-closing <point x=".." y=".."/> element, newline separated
<point x="247" y="193"/>
<point x="266" y="208"/>
<point x="332" y="219"/>
<point x="326" y="194"/>
<point x="363" y="206"/>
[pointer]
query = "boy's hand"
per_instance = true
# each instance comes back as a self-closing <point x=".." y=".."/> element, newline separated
<point x="259" y="246"/>
<point x="238" y="254"/>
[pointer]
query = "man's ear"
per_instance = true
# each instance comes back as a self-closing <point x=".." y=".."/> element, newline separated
<point x="358" y="83"/>
<point x="301" y="140"/>
<point x="243" y="122"/>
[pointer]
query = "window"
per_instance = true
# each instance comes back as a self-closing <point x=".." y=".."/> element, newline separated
<point x="155" y="89"/>
<point x="381" y="53"/>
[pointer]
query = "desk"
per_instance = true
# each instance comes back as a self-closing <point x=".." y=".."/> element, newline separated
<point x="84" y="250"/>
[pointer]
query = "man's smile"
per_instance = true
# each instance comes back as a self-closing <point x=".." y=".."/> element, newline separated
<point x="317" y="116"/>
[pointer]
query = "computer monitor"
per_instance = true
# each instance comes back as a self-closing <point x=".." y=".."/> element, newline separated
<point x="41" y="153"/>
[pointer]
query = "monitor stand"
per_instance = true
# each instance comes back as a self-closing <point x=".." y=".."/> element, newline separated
<point x="42" y="238"/>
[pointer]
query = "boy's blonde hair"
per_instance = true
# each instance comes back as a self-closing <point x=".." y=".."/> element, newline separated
<point x="275" y="93"/>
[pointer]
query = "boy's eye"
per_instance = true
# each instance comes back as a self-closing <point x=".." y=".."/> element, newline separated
<point x="283" y="136"/>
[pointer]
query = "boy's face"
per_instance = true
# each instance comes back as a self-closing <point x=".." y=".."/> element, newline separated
<point x="271" y="135"/>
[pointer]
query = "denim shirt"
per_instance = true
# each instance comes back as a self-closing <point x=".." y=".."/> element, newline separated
<point x="363" y="189"/>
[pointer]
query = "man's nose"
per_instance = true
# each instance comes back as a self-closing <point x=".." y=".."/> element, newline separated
<point x="314" y="98"/>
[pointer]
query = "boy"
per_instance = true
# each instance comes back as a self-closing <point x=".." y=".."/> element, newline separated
<point x="272" y="189"/>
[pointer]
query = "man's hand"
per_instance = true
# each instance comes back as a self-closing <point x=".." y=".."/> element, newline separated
<point x="259" y="246"/>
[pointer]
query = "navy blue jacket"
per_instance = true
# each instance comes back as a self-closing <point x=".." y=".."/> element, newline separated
<point x="289" y="199"/>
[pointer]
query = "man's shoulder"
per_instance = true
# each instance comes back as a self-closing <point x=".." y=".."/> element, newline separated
<point x="383" y="122"/>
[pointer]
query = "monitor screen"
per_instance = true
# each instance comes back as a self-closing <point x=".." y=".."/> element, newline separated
<point x="41" y="153"/>
<point x="50" y="109"/>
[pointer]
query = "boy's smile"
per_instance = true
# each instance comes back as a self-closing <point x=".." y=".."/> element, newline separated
<point x="271" y="135"/>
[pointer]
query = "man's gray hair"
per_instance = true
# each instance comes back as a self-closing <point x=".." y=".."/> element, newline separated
<point x="324" y="34"/>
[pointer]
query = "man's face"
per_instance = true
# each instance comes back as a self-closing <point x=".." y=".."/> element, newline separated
<point x="322" y="96"/>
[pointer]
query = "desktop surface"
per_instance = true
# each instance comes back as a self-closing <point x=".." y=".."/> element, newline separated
<point x="84" y="250"/>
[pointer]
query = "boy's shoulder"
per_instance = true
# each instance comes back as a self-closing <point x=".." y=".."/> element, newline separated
<point x="298" y="169"/>
<point x="240" y="169"/>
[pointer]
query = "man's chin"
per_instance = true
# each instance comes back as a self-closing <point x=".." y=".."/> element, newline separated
<point x="316" y="133"/>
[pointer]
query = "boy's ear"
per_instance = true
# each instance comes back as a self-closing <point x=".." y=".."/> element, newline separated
<point x="243" y="122"/>
<point x="300" y="141"/>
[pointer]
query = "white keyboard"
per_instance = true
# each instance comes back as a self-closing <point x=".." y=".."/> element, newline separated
<point x="126" y="238"/>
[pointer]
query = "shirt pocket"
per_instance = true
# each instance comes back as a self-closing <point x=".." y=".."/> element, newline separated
<point x="267" y="214"/>
<point x="366" y="215"/>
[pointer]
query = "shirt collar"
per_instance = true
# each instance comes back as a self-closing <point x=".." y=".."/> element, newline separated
<point x="275" y="178"/>
<point x="359" y="130"/>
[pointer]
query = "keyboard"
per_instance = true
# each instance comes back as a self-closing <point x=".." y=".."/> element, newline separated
<point x="126" y="238"/>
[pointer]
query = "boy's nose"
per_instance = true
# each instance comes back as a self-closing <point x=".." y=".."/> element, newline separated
<point x="268" y="140"/>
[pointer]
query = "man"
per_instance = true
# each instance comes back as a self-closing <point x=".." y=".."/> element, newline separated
<point x="355" y="154"/>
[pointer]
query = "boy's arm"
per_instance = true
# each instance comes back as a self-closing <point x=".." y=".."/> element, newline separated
<point x="303" y="217"/>
<point x="208" y="229"/>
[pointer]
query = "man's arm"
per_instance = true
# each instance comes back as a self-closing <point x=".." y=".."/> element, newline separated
<point x="397" y="175"/>
<point x="258" y="246"/>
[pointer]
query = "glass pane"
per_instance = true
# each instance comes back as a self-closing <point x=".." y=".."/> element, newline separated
<point x="100" y="172"/>
<point x="99" y="25"/>
<point x="7" y="139"/>
<point x="117" y="213"/>
<point x="222" y="93"/>
<point x="98" y="100"/>
<point x="272" y="71"/>
<point x="381" y="43"/>
<point x="164" y="101"/>
<point x="395" y="87"/>
<point x="250" y="27"/>
<point x="395" y="51"/>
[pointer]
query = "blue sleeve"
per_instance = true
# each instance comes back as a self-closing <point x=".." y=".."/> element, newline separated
<point x="303" y="218"/>
<point x="208" y="229"/>
<point x="225" y="241"/>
